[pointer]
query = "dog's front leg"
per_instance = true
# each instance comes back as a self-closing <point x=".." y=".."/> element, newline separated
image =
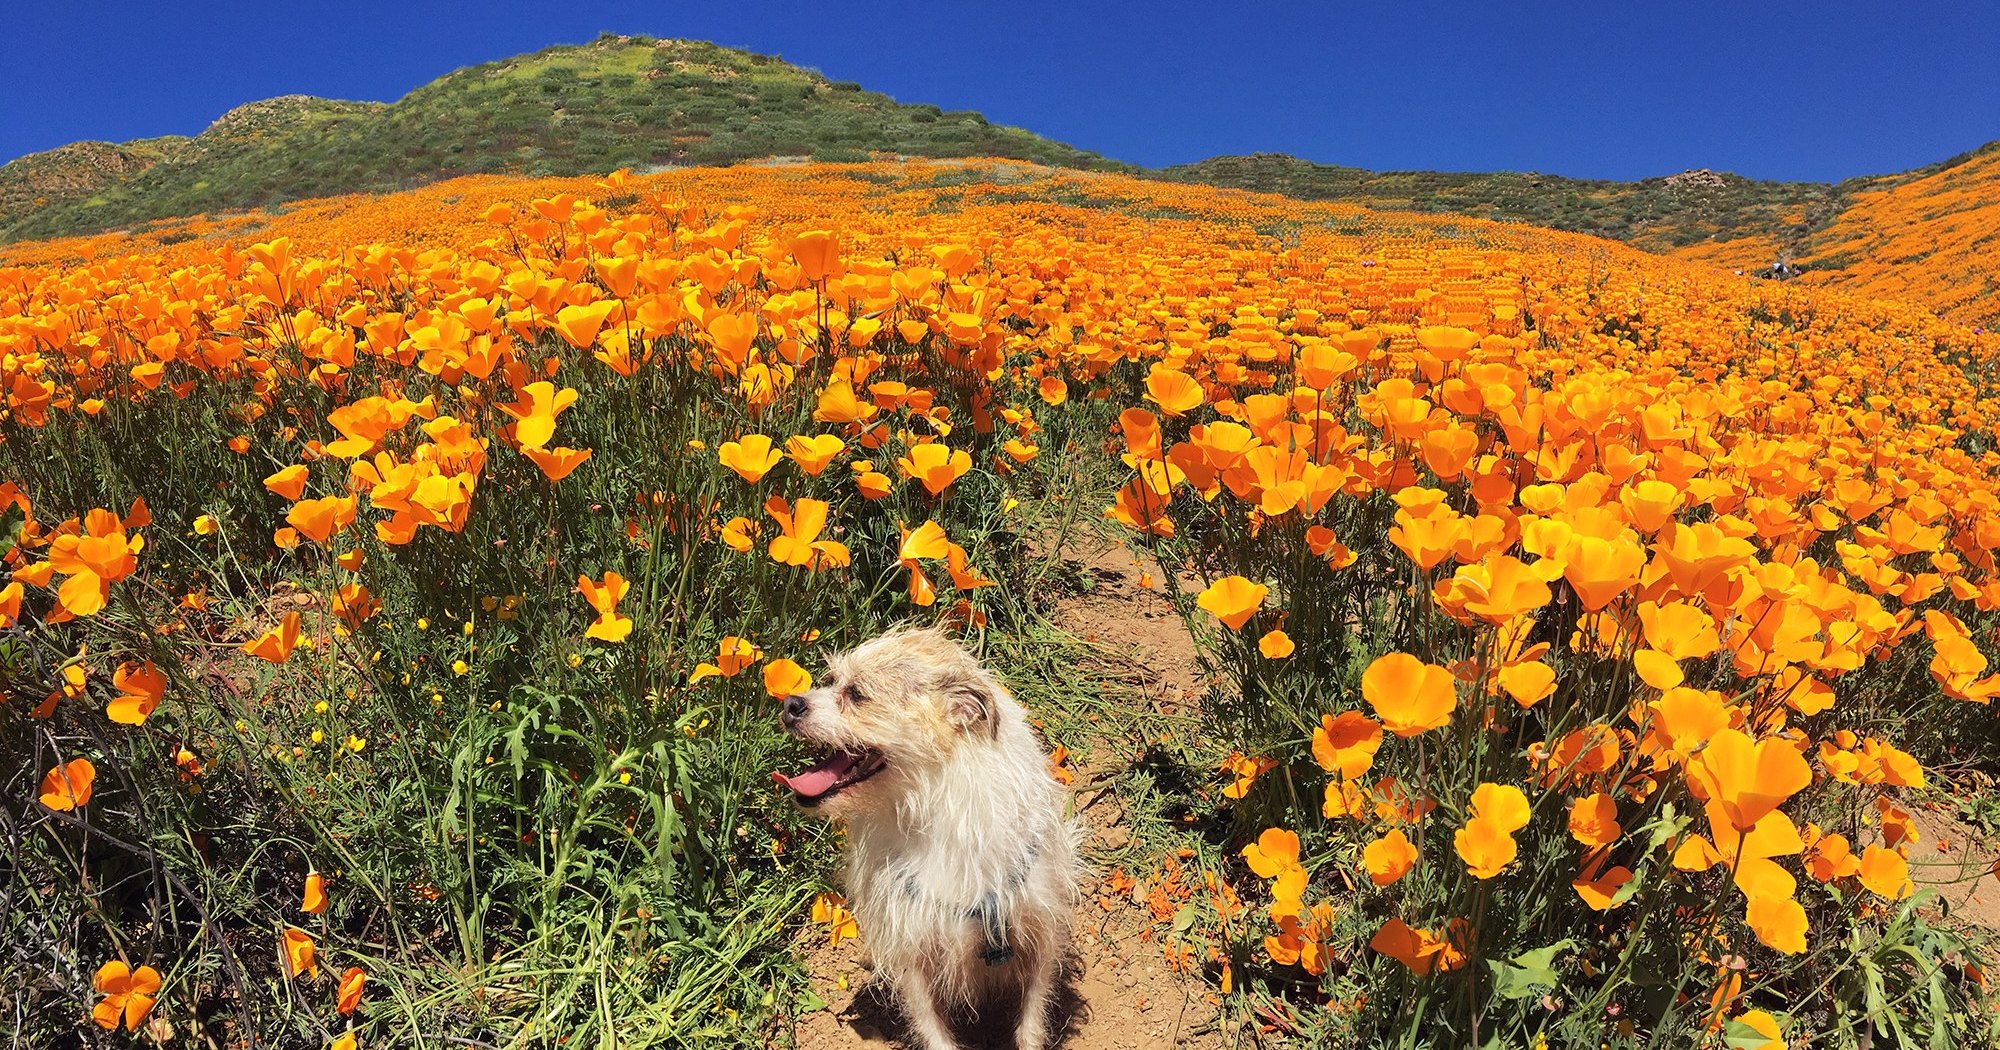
<point x="1032" y="1032"/>
<point x="920" y="1006"/>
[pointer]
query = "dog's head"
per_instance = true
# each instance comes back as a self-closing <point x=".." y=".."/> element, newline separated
<point x="901" y="703"/>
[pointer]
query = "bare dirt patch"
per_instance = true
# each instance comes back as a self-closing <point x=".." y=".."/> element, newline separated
<point x="1133" y="622"/>
<point x="1955" y="860"/>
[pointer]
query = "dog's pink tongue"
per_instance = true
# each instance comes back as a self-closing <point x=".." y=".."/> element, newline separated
<point x="818" y="778"/>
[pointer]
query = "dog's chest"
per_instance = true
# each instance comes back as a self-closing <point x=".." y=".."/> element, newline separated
<point x="957" y="899"/>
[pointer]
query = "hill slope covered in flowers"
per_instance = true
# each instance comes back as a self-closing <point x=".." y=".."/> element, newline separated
<point x="400" y="587"/>
<point x="1928" y="237"/>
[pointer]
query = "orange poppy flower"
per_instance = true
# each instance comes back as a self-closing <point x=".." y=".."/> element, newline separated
<point x="289" y="482"/>
<point x="1684" y="719"/>
<point x="10" y="603"/>
<point x="818" y="254"/>
<point x="1304" y="944"/>
<point x="838" y="403"/>
<point x="935" y="465"/>
<point x="1746" y="778"/>
<point x="1529" y="682"/>
<point x="1485" y="847"/>
<point x="812" y="454"/>
<point x="830" y="909"/>
<point x="740" y="534"/>
<point x="320" y="520"/>
<point x="783" y="678"/>
<point x="315" y="896"/>
<point x="1175" y="392"/>
<point x="275" y="645"/>
<point x="1389" y="858"/>
<point x="1593" y="820"/>
<point x="1245" y="770"/>
<point x="301" y="955"/>
<point x="69" y="785"/>
<point x="925" y="541"/>
<point x="1657" y="669"/>
<point x="1599" y="885"/>
<point x="1503" y="804"/>
<point x="873" y="484"/>
<point x="1762" y="1024"/>
<point x="732" y="335"/>
<point x="352" y="605"/>
<point x="1408" y="695"/>
<point x="1346" y="743"/>
<point x="1233" y="600"/>
<point x="1886" y="873"/>
<point x="1501" y="588"/>
<point x="732" y="655"/>
<point x="1829" y="857"/>
<point x="140" y="689"/>
<point x="604" y="596"/>
<point x="1600" y="570"/>
<point x="1275" y="855"/>
<point x="535" y="410"/>
<point x="557" y="463"/>
<point x="351" y="984"/>
<point x="798" y="541"/>
<point x="1779" y="922"/>
<point x="93" y="560"/>
<point x="69" y="685"/>
<point x="1423" y="951"/>
<point x="963" y="575"/>
<point x="1275" y="850"/>
<point x="129" y="995"/>
<point x="579" y="325"/>
<point x="751" y="457"/>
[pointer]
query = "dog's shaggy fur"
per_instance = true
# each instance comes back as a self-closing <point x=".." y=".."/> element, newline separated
<point x="961" y="866"/>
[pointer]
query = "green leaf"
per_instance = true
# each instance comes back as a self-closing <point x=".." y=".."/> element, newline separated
<point x="1529" y="973"/>
<point x="1184" y="919"/>
<point x="810" y="1002"/>
<point x="1739" y="1036"/>
<point x="12" y="521"/>
<point x="1632" y="885"/>
<point x="15" y="658"/>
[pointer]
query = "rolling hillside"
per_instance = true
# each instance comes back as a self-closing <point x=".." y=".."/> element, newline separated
<point x="617" y="102"/>
<point x="1927" y="235"/>
<point x="1930" y="236"/>
<point x="1658" y="214"/>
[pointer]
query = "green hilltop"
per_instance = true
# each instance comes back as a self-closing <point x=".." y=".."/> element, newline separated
<point x="616" y="102"/>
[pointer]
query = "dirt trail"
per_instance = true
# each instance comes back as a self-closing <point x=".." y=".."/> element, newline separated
<point x="1956" y="860"/>
<point x="1120" y="993"/>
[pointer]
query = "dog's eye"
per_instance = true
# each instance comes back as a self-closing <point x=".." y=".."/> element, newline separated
<point x="852" y="697"/>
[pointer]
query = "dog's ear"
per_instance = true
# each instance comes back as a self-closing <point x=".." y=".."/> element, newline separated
<point x="971" y="701"/>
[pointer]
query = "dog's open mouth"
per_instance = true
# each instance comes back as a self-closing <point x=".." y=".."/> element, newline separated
<point x="831" y="775"/>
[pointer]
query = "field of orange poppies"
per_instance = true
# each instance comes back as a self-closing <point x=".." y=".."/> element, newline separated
<point x="399" y="588"/>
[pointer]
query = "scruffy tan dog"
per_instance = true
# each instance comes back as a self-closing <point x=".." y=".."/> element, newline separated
<point x="961" y="867"/>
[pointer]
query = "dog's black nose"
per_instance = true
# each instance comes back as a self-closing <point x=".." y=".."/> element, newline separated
<point x="795" y="709"/>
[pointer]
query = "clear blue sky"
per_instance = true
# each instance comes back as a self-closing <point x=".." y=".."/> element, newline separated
<point x="1610" y="88"/>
